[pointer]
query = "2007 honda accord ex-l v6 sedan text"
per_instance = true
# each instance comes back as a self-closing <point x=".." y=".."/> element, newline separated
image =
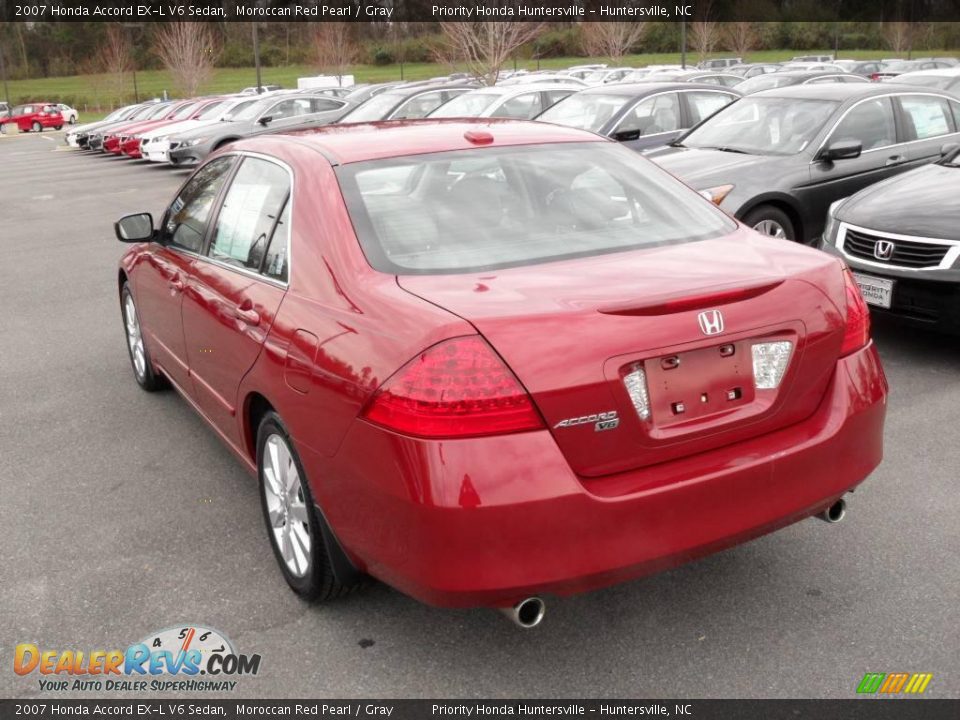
<point x="486" y="360"/>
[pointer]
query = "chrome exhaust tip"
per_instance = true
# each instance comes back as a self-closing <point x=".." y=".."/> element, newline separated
<point x="527" y="613"/>
<point x="835" y="513"/>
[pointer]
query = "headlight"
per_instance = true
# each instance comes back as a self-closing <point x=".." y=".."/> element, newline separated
<point x="831" y="225"/>
<point x="717" y="194"/>
<point x="195" y="141"/>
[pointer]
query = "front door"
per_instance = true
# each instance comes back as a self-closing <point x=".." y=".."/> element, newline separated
<point x="236" y="288"/>
<point x="162" y="278"/>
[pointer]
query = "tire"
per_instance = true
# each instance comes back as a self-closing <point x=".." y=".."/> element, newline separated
<point x="291" y="517"/>
<point x="143" y="371"/>
<point x="771" y="221"/>
<point x="36" y="127"/>
<point x="72" y="120"/>
<point x="58" y="127"/>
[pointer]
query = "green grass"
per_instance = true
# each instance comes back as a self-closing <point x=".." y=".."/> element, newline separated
<point x="90" y="94"/>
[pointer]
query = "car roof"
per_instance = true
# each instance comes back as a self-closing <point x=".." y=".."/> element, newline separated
<point x="841" y="91"/>
<point x="358" y="142"/>
<point x="522" y="88"/>
<point x="648" y="88"/>
<point x="937" y="72"/>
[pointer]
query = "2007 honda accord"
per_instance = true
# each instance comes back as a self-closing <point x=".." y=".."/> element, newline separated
<point x="482" y="361"/>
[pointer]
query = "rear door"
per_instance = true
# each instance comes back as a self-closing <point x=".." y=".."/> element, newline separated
<point x="236" y="287"/>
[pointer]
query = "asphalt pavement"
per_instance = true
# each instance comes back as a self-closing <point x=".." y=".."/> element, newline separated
<point x="121" y="513"/>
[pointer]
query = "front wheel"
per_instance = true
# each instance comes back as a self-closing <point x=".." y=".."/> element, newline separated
<point x="293" y="525"/>
<point x="771" y="221"/>
<point x="72" y="120"/>
<point x="143" y="371"/>
<point x="37" y="127"/>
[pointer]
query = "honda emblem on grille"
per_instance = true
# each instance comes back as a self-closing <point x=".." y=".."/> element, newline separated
<point x="711" y="322"/>
<point x="883" y="250"/>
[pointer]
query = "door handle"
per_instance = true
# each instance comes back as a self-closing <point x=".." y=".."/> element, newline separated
<point x="246" y="313"/>
<point x="894" y="159"/>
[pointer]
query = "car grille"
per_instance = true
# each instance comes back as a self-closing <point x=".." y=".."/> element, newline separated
<point x="906" y="253"/>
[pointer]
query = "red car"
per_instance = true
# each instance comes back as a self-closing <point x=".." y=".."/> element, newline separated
<point x="482" y="361"/>
<point x="114" y="141"/>
<point x="35" y="117"/>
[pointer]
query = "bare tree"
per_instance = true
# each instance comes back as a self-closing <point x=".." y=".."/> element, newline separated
<point x="334" y="47"/>
<point x="485" y="47"/>
<point x="740" y="37"/>
<point x="899" y="36"/>
<point x="611" y="39"/>
<point x="187" y="50"/>
<point x="115" y="59"/>
<point x="704" y="37"/>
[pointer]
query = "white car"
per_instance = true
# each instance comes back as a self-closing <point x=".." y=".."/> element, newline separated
<point x="607" y="75"/>
<point x="522" y="102"/>
<point x="155" y="144"/>
<point x="68" y="114"/>
<point x="645" y="72"/>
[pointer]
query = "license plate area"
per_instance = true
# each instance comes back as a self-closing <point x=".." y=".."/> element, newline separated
<point x="876" y="291"/>
<point x="710" y="382"/>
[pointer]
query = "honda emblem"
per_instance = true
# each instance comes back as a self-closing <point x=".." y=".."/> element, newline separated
<point x="711" y="322"/>
<point x="883" y="250"/>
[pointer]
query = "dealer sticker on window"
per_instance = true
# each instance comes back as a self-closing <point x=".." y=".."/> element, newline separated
<point x="876" y="291"/>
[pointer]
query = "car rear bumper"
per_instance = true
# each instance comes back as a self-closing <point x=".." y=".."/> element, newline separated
<point x="490" y="521"/>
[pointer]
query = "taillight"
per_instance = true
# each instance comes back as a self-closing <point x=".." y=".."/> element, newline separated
<point x="457" y="388"/>
<point x="857" y="333"/>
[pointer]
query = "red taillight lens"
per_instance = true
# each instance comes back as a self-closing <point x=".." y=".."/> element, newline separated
<point x="858" y="318"/>
<point x="457" y="388"/>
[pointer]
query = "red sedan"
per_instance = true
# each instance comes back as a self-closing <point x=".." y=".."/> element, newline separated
<point x="35" y="117"/>
<point x="483" y="361"/>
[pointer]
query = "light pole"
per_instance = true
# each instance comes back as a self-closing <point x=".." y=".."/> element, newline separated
<point x="683" y="44"/>
<point x="256" y="56"/>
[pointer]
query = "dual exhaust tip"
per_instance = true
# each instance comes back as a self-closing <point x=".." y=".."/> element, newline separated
<point x="528" y="613"/>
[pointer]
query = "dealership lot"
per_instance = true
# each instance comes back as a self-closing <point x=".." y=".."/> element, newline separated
<point x="122" y="514"/>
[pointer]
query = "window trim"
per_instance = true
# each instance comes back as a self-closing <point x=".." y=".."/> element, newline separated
<point x="892" y="96"/>
<point x="208" y="233"/>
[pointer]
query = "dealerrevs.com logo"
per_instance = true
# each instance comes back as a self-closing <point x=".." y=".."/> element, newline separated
<point x="181" y="658"/>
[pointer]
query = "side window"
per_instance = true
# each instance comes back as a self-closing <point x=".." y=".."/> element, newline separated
<point x="522" y="106"/>
<point x="249" y="212"/>
<point x="275" y="266"/>
<point x="419" y="106"/>
<point x="324" y="105"/>
<point x="927" y="116"/>
<point x="870" y="122"/>
<point x="658" y="114"/>
<point x="186" y="220"/>
<point x="288" y="108"/>
<point x="704" y="104"/>
<point x="824" y="80"/>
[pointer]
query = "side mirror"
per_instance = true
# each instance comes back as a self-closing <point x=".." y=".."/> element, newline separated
<point x="949" y="149"/>
<point x="266" y="120"/>
<point x="134" y="228"/>
<point x="626" y="135"/>
<point x="841" y="150"/>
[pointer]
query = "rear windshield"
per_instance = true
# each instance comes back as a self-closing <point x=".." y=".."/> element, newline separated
<point x="484" y="209"/>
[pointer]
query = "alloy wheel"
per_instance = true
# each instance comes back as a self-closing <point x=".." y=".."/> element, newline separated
<point x="771" y="228"/>
<point x="134" y="337"/>
<point x="286" y="505"/>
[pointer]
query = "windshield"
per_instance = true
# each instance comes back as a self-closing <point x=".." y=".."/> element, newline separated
<point x="587" y="111"/>
<point x="242" y="113"/>
<point x="424" y="214"/>
<point x="765" y="82"/>
<point x="468" y="105"/>
<point x="763" y="126"/>
<point x="159" y="111"/>
<point x="376" y="108"/>
<point x="240" y="108"/>
<point x="212" y="111"/>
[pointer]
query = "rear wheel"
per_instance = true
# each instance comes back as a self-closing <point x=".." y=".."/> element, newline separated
<point x="37" y="127"/>
<point x="58" y="127"/>
<point x="143" y="371"/>
<point x="72" y="120"/>
<point x="293" y="525"/>
<point x="771" y="221"/>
